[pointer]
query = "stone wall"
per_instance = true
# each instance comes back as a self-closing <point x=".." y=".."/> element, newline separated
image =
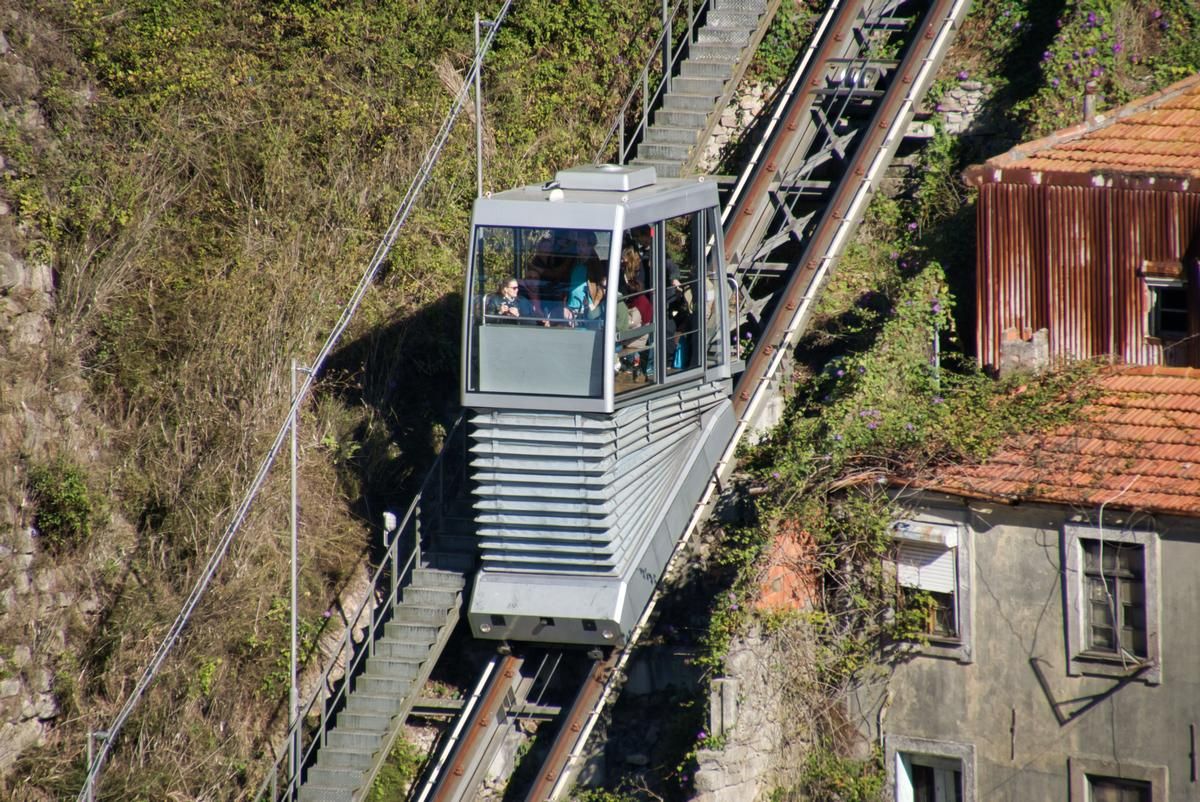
<point x="42" y="599"/>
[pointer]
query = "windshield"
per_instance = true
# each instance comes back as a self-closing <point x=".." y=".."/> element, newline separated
<point x="538" y="301"/>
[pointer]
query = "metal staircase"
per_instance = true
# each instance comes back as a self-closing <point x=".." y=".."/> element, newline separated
<point x="667" y="126"/>
<point x="383" y="694"/>
<point x="344" y="733"/>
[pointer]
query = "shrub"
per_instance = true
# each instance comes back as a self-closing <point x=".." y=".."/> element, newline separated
<point x="66" y="510"/>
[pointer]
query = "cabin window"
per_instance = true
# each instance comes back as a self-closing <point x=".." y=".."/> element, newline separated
<point x="538" y="308"/>
<point x="713" y="291"/>
<point x="682" y="295"/>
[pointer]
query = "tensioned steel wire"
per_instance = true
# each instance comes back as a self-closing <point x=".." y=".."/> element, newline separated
<point x="368" y="277"/>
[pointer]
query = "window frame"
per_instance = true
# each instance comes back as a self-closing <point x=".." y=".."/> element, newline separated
<point x="903" y="747"/>
<point x="926" y="529"/>
<point x="1081" y="658"/>
<point x="1081" y="769"/>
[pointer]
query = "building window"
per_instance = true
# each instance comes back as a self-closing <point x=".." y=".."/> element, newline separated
<point x="933" y="558"/>
<point x="1168" y="308"/>
<point x="1102" y="780"/>
<point x="1116" y="591"/>
<point x="1112" y="602"/>
<point x="922" y="770"/>
<point x="1112" y="789"/>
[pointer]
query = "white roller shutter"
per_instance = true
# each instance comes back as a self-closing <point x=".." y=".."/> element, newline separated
<point x="926" y="566"/>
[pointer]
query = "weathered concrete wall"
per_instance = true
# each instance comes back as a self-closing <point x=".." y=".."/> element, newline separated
<point x="997" y="704"/>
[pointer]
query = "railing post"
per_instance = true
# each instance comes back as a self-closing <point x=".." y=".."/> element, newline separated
<point x="621" y="141"/>
<point x="666" y="19"/>
<point x="645" y="99"/>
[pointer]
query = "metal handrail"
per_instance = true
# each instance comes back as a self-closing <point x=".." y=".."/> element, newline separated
<point x="641" y="88"/>
<point x="437" y="487"/>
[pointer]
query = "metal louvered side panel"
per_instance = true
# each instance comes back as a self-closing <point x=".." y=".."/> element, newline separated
<point x="580" y="493"/>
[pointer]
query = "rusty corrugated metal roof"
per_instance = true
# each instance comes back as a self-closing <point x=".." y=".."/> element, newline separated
<point x="1136" y="447"/>
<point x="1156" y="135"/>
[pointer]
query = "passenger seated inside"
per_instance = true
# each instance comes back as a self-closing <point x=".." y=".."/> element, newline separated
<point x="507" y="306"/>
<point x="635" y="355"/>
<point x="585" y="303"/>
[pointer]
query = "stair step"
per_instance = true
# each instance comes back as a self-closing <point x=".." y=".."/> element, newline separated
<point x="410" y="633"/>
<point x="393" y="667"/>
<point x="684" y="102"/>
<point x="440" y="598"/>
<point x="387" y="647"/>
<point x="349" y="779"/>
<point x="380" y="685"/>
<point x="432" y="578"/>
<point x="740" y="5"/>
<point x="319" y="793"/>
<point x="342" y="737"/>
<point x="698" y="86"/>
<point x="669" y="169"/>
<point x="377" y="704"/>
<point x="419" y="614"/>
<point x="363" y="722"/>
<point x="733" y="36"/>
<point x="733" y="18"/>
<point x="665" y="134"/>
<point x="338" y="758"/>
<point x="652" y="151"/>
<point x="712" y="51"/>
<point x="678" y="118"/>
<point x="706" y="69"/>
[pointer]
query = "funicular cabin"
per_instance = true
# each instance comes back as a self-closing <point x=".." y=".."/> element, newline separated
<point x="596" y="371"/>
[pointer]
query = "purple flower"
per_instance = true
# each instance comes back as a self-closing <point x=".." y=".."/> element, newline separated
<point x="1097" y="72"/>
<point x="1104" y="36"/>
<point x="1156" y="13"/>
<point x="327" y="614"/>
<point x="912" y="226"/>
<point x="872" y="425"/>
<point x="1117" y="47"/>
<point x="1163" y="25"/>
<point x="894" y="255"/>
<point x="937" y="307"/>
<point x="775" y="474"/>
<point x="1054" y="82"/>
<point x="1017" y="25"/>
<point x="909" y="426"/>
<point x="963" y="75"/>
<point x="837" y="438"/>
<point x="1092" y="19"/>
<point x="1075" y="55"/>
<point x="747" y="336"/>
<point x="700" y="736"/>
<point x="1046" y="56"/>
<point x="939" y="107"/>
<point x="937" y="399"/>
<point x="1058" y="23"/>
<point x="839" y="373"/>
<point x="1091" y="51"/>
<point x="903" y="264"/>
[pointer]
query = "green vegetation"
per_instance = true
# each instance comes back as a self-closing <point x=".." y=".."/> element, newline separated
<point x="67" y="511"/>
<point x="209" y="182"/>
<point x="397" y="774"/>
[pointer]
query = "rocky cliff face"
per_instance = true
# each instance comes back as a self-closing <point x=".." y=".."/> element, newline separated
<point x="44" y="600"/>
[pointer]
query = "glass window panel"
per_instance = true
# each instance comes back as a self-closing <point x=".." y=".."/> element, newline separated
<point x="537" y="311"/>
<point x="681" y="285"/>
<point x="637" y="360"/>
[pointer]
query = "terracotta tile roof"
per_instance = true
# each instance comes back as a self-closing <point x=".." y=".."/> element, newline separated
<point x="1136" y="447"/>
<point x="1155" y="135"/>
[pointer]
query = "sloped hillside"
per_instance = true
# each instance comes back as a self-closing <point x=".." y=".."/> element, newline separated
<point x="190" y="191"/>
